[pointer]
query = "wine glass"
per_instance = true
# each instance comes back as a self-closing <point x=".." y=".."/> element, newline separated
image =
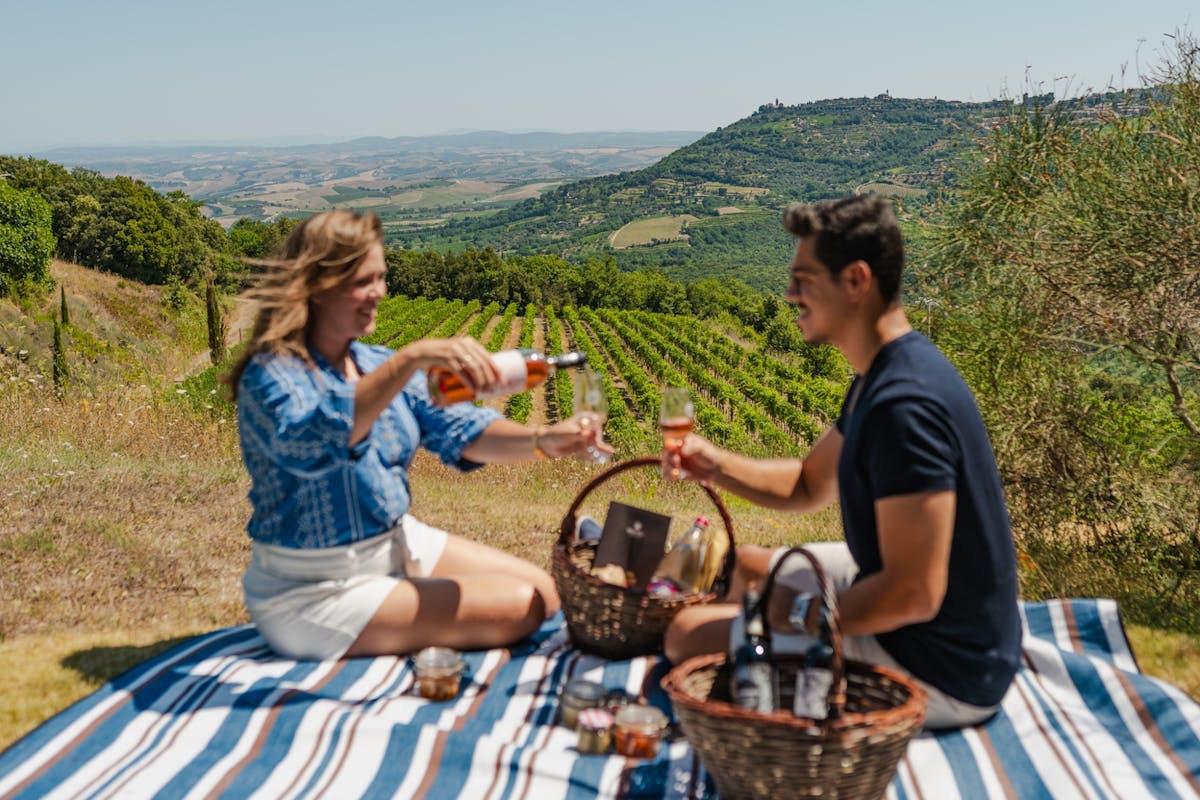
<point x="592" y="402"/>
<point x="676" y="417"/>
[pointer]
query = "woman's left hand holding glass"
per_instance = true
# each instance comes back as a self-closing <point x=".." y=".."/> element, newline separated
<point x="574" y="436"/>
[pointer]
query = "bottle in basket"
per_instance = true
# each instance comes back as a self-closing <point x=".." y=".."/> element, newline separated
<point x="754" y="677"/>
<point x="814" y="680"/>
<point x="681" y="566"/>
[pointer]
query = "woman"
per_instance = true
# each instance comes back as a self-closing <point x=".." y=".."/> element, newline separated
<point x="329" y="427"/>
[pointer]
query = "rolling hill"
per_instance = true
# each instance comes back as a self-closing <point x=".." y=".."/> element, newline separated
<point x="712" y="208"/>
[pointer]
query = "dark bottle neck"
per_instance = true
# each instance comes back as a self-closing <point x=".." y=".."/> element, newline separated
<point x="571" y="359"/>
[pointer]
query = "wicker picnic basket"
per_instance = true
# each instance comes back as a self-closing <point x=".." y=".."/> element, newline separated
<point x="853" y="753"/>
<point x="612" y="621"/>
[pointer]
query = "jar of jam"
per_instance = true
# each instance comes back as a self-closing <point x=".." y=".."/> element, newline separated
<point x="578" y="695"/>
<point x="595" y="731"/>
<point x="638" y="729"/>
<point x="439" y="673"/>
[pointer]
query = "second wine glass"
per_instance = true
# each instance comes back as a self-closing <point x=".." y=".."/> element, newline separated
<point x="591" y="401"/>
<point x="676" y="417"/>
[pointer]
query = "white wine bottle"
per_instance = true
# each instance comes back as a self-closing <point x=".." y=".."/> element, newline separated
<point x="681" y="566"/>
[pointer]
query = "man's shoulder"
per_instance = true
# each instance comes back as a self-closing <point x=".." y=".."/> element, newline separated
<point x="915" y="367"/>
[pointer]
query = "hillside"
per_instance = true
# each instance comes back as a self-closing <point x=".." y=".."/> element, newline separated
<point x="712" y="208"/>
<point x="120" y="330"/>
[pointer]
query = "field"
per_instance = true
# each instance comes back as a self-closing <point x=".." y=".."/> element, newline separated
<point x="125" y="499"/>
<point x="892" y="190"/>
<point x="651" y="231"/>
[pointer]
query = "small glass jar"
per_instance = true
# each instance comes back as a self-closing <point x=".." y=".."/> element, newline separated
<point x="578" y="695"/>
<point x="638" y="730"/>
<point x="595" y="731"/>
<point x="617" y="699"/>
<point x="439" y="673"/>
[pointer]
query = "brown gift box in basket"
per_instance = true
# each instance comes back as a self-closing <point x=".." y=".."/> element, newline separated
<point x="617" y="622"/>
<point x="873" y="711"/>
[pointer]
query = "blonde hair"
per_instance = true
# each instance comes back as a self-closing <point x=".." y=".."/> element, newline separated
<point x="322" y="252"/>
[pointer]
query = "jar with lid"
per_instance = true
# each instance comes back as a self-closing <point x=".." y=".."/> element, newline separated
<point x="638" y="730"/>
<point x="595" y="731"/>
<point x="578" y="695"/>
<point x="439" y="673"/>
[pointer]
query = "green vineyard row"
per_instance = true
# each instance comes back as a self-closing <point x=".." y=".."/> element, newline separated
<point x="745" y="398"/>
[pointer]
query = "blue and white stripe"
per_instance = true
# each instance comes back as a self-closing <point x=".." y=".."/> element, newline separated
<point x="220" y="716"/>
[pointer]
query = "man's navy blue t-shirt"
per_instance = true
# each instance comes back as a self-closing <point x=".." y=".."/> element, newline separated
<point x="914" y="427"/>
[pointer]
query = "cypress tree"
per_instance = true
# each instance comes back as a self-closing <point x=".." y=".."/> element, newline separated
<point x="216" y="341"/>
<point x="62" y="305"/>
<point x="59" y="361"/>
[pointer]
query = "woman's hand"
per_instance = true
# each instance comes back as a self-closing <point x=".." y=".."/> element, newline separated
<point x="462" y="355"/>
<point x="572" y="437"/>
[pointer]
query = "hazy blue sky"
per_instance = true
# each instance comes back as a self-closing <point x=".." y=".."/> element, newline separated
<point x="122" y="71"/>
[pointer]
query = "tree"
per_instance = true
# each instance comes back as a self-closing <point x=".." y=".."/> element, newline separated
<point x="1069" y="272"/>
<point x="1103" y="212"/>
<point x="26" y="240"/>
<point x="58" y="361"/>
<point x="216" y="328"/>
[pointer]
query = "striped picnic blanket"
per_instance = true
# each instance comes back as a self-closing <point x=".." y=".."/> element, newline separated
<point x="220" y="716"/>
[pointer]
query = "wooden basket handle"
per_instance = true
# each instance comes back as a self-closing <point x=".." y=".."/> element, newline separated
<point x="837" y="689"/>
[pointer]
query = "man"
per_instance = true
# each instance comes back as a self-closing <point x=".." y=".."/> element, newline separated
<point x="926" y="578"/>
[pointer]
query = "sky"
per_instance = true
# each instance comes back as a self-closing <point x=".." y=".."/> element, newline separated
<point x="75" y="72"/>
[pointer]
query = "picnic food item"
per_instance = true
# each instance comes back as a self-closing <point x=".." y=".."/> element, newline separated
<point x="595" y="731"/>
<point x="682" y="564"/>
<point x="439" y="673"/>
<point x="612" y="573"/>
<point x="622" y="622"/>
<point x="638" y="730"/>
<point x="753" y="683"/>
<point x="617" y="699"/>
<point x="577" y="696"/>
<point x="520" y="371"/>
<point x="872" y="713"/>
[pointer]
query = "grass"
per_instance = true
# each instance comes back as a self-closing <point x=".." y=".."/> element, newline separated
<point x="124" y="515"/>
<point x="125" y="533"/>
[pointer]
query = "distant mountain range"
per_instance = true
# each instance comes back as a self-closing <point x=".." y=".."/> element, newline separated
<point x="478" y="168"/>
<point x="693" y="205"/>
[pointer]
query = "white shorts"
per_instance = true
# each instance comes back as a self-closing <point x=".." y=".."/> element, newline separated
<point x="313" y="604"/>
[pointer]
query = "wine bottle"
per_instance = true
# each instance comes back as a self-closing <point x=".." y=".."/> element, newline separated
<point x="753" y="675"/>
<point x="814" y="680"/>
<point x="520" y="371"/>
<point x="681" y="566"/>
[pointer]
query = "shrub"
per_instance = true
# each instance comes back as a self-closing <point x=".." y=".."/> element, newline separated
<point x="26" y="240"/>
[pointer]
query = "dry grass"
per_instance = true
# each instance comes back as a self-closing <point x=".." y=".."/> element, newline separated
<point x="124" y="524"/>
<point x="123" y="529"/>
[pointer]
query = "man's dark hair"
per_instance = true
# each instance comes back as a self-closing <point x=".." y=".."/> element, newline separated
<point x="852" y="228"/>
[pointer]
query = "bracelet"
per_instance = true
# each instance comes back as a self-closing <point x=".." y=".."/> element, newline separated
<point x="537" y="444"/>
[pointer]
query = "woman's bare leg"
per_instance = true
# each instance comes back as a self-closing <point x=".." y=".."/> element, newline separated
<point x="478" y="597"/>
<point x="465" y="557"/>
